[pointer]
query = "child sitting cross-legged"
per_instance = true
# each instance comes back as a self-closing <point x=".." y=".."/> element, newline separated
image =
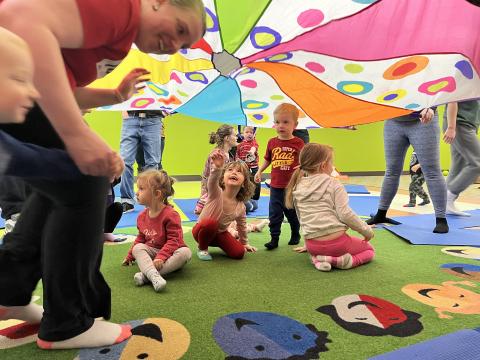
<point x="228" y="187"/>
<point x="322" y="207"/>
<point x="159" y="248"/>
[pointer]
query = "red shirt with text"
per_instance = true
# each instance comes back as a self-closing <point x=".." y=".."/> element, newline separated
<point x="283" y="157"/>
<point x="163" y="232"/>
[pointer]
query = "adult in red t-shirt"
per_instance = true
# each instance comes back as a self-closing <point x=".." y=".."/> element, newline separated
<point x="58" y="237"/>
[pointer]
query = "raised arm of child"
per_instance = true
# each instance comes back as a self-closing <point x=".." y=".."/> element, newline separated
<point x="174" y="234"/>
<point x="346" y="215"/>
<point x="217" y="160"/>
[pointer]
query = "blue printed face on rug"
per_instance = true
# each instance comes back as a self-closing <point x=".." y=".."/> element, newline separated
<point x="466" y="271"/>
<point x="152" y="338"/>
<point x="468" y="252"/>
<point x="263" y="335"/>
<point x="371" y="316"/>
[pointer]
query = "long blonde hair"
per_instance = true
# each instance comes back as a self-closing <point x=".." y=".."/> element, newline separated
<point x="312" y="157"/>
<point x="248" y="188"/>
<point x="158" y="180"/>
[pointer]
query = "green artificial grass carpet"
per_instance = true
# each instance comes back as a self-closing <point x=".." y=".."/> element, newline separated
<point x="284" y="283"/>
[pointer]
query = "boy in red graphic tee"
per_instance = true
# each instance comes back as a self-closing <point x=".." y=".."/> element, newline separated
<point x="159" y="248"/>
<point x="282" y="153"/>
<point x="247" y="151"/>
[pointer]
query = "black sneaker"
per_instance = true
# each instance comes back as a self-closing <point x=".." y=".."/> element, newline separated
<point x="127" y="207"/>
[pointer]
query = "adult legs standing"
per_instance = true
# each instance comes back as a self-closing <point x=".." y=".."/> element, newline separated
<point x="465" y="168"/>
<point x="58" y="238"/>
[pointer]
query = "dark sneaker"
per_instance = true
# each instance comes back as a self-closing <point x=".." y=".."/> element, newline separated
<point x="271" y="245"/>
<point x="410" y="205"/>
<point x="424" y="202"/>
<point x="294" y="241"/>
<point x="127" y="207"/>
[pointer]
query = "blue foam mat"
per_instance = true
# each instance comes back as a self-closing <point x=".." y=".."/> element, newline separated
<point x="364" y="205"/>
<point x="188" y="205"/>
<point x="130" y="219"/>
<point x="2" y="223"/>
<point x="463" y="344"/>
<point x="356" y="189"/>
<point x="417" y="229"/>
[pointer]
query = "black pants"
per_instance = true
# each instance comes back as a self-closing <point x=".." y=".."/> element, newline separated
<point x="276" y="210"/>
<point x="256" y="194"/>
<point x="13" y="193"/>
<point x="58" y="238"/>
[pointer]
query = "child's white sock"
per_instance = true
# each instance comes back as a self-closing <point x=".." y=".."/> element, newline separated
<point x="31" y="313"/>
<point x="321" y="265"/>
<point x="140" y="279"/>
<point x="342" y="262"/>
<point x="102" y="333"/>
<point x="156" y="279"/>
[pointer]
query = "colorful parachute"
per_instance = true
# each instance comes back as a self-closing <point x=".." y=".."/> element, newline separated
<point x="342" y="62"/>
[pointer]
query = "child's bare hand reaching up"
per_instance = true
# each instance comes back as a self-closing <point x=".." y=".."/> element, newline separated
<point x="218" y="159"/>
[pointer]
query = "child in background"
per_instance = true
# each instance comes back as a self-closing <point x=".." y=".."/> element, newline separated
<point x="225" y="139"/>
<point x="159" y="248"/>
<point x="282" y="153"/>
<point x="17" y="97"/>
<point x="228" y="187"/>
<point x="321" y="203"/>
<point x="417" y="179"/>
<point x="247" y="151"/>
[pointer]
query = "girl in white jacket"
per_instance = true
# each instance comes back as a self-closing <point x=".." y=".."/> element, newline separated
<point x="321" y="203"/>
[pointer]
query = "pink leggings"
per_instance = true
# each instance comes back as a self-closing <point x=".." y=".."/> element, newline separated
<point x="362" y="252"/>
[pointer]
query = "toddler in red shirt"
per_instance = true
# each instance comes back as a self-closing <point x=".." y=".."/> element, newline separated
<point x="247" y="151"/>
<point x="282" y="153"/>
<point x="159" y="248"/>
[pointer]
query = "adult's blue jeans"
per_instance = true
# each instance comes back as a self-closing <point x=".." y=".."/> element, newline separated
<point x="138" y="131"/>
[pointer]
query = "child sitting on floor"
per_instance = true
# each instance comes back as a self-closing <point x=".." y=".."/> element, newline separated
<point x="321" y="203"/>
<point x="159" y="248"/>
<point x="228" y="187"/>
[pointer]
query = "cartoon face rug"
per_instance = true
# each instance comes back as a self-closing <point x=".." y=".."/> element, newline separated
<point x="468" y="252"/>
<point x="15" y="333"/>
<point x="446" y="297"/>
<point x="263" y="335"/>
<point x="372" y="316"/>
<point x="152" y="339"/>
<point x="466" y="271"/>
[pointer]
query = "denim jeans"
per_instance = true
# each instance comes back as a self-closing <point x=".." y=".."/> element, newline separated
<point x="136" y="131"/>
